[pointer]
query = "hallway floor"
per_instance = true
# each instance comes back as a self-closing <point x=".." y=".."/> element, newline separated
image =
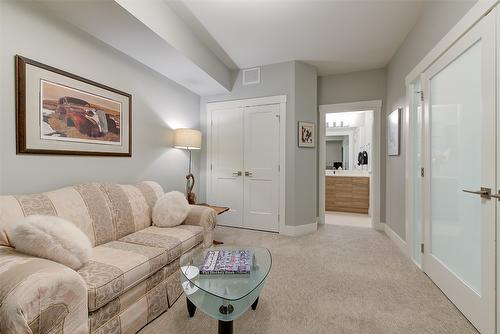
<point x="347" y="219"/>
<point x="338" y="280"/>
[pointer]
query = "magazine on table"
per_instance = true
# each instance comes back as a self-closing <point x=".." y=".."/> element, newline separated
<point x="227" y="262"/>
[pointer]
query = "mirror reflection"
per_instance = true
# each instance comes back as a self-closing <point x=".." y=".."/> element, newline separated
<point x="348" y="141"/>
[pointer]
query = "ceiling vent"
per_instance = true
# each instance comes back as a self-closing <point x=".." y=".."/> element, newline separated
<point x="251" y="76"/>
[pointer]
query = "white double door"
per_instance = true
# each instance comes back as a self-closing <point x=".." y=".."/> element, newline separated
<point x="245" y="167"/>
<point x="460" y="145"/>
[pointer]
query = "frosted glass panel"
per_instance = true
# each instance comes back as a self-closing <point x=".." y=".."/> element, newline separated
<point x="455" y="125"/>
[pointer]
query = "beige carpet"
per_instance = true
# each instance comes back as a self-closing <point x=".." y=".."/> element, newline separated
<point x="338" y="280"/>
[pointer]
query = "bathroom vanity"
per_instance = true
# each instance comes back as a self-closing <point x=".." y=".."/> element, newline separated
<point x="347" y="192"/>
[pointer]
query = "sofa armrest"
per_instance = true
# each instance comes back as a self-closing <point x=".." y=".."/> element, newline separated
<point x="205" y="217"/>
<point x="40" y="296"/>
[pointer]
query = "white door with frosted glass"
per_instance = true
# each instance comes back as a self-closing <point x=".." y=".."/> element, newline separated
<point x="227" y="164"/>
<point x="261" y="182"/>
<point x="459" y="146"/>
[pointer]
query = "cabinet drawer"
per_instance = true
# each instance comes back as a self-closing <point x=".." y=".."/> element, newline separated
<point x="347" y="194"/>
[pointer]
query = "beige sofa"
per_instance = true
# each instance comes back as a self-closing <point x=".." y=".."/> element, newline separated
<point x="133" y="275"/>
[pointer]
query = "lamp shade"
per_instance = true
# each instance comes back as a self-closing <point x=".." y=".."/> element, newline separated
<point x="187" y="139"/>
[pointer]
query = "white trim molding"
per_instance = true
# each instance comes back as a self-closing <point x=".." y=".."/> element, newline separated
<point x="259" y="101"/>
<point x="400" y="243"/>
<point x="376" y="107"/>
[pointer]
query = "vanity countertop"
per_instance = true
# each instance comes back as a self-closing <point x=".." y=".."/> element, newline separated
<point x="350" y="173"/>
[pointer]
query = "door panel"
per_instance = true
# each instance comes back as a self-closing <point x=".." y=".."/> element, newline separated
<point x="227" y="164"/>
<point x="261" y="181"/>
<point x="460" y="155"/>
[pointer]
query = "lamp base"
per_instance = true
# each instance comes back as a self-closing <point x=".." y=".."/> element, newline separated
<point x="190" y="195"/>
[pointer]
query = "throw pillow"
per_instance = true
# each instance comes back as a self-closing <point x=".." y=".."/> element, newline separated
<point x="171" y="210"/>
<point x="52" y="238"/>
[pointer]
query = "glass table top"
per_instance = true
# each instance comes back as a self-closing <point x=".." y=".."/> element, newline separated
<point x="229" y="287"/>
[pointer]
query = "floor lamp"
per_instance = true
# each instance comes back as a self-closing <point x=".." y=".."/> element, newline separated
<point x="188" y="139"/>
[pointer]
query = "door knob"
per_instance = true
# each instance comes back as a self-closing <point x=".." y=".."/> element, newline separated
<point x="238" y="173"/>
<point x="248" y="174"/>
<point x="483" y="192"/>
<point x="497" y="196"/>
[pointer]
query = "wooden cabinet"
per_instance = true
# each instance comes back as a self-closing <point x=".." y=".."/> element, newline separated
<point x="347" y="194"/>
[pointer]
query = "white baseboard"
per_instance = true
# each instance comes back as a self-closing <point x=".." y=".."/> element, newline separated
<point x="294" y="231"/>
<point x="378" y="226"/>
<point x="402" y="245"/>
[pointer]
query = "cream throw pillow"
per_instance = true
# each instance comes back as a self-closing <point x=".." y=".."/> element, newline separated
<point x="171" y="210"/>
<point x="52" y="238"/>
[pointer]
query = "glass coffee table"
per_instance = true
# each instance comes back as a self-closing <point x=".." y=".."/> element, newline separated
<point x="223" y="296"/>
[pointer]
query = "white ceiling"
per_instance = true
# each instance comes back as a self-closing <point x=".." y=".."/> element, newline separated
<point x="335" y="36"/>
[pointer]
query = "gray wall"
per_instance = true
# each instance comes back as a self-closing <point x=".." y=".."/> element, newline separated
<point x="355" y="87"/>
<point x="437" y="19"/>
<point x="158" y="105"/>
<point x="298" y="81"/>
<point x="306" y="159"/>
<point x="352" y="87"/>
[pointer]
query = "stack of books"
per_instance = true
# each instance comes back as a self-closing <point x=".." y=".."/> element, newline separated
<point x="227" y="262"/>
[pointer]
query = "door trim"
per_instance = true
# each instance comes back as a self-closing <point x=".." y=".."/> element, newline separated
<point x="410" y="129"/>
<point x="278" y="99"/>
<point x="376" y="107"/>
<point x="497" y="161"/>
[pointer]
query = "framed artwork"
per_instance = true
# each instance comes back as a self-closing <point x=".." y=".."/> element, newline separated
<point x="306" y="135"/>
<point x="61" y="113"/>
<point x="393" y="132"/>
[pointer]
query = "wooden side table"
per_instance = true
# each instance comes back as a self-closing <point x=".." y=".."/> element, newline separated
<point x="218" y="210"/>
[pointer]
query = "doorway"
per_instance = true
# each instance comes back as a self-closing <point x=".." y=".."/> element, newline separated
<point x="349" y="164"/>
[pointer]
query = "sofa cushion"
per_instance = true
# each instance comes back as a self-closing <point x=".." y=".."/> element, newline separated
<point x="107" y="312"/>
<point x="174" y="240"/>
<point x="116" y="267"/>
<point x="103" y="211"/>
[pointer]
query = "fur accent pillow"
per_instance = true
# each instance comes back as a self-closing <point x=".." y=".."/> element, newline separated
<point x="52" y="238"/>
<point x="171" y="210"/>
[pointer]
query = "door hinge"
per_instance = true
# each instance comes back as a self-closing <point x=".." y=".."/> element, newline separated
<point x="421" y="92"/>
<point x="211" y="122"/>
<point x="210" y="167"/>
<point x="279" y="168"/>
<point x="422" y="173"/>
<point x="278" y="217"/>
<point x="422" y="248"/>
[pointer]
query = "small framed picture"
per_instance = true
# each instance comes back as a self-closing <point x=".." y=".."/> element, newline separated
<point x="307" y="134"/>
<point x="393" y="132"/>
